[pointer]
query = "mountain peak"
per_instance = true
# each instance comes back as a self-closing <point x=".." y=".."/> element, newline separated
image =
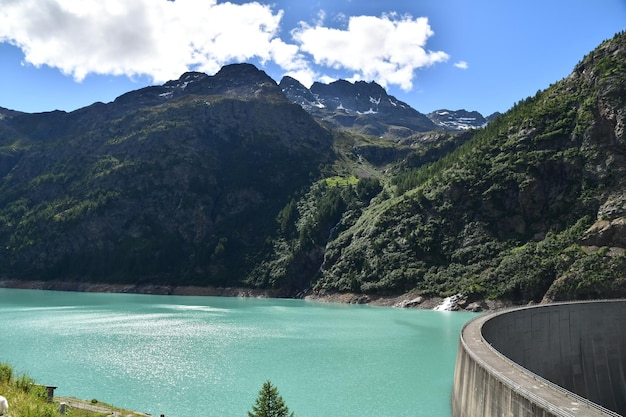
<point x="241" y="70"/>
<point x="360" y="106"/>
<point x="295" y="91"/>
<point x="457" y="119"/>
<point x="186" y="78"/>
<point x="235" y="80"/>
<point x="347" y="88"/>
<point x="360" y="97"/>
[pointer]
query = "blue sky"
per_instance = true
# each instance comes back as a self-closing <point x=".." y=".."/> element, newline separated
<point x="478" y="55"/>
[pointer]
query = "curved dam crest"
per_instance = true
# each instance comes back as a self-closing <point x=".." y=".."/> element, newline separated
<point x="565" y="359"/>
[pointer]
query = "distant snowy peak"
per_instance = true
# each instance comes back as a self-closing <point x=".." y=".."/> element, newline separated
<point x="353" y="98"/>
<point x="185" y="80"/>
<point x="361" y="105"/>
<point x="457" y="119"/>
<point x="359" y="98"/>
<point x="299" y="94"/>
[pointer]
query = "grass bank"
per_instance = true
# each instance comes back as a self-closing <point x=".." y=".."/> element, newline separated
<point x="28" y="399"/>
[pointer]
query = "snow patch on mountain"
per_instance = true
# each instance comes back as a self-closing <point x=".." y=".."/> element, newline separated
<point x="457" y="119"/>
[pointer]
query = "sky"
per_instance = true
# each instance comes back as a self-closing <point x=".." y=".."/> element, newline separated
<point x="482" y="55"/>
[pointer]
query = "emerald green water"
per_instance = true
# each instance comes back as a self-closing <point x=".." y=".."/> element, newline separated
<point x="209" y="356"/>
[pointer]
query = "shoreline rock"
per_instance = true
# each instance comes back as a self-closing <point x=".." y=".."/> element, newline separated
<point x="408" y="300"/>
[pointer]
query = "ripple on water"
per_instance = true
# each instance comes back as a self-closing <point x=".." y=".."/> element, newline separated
<point x="214" y="354"/>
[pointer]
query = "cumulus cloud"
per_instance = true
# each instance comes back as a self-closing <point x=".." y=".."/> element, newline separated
<point x="387" y="49"/>
<point x="155" y="37"/>
<point x="162" y="39"/>
<point x="461" y="65"/>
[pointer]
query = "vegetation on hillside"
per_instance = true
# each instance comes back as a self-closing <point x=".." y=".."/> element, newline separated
<point x="247" y="189"/>
<point x="501" y="216"/>
<point x="180" y="192"/>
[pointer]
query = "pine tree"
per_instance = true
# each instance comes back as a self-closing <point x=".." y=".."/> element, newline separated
<point x="269" y="403"/>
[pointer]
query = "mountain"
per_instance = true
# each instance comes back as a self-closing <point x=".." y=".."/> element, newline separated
<point x="366" y="108"/>
<point x="362" y="107"/>
<point x="7" y="113"/>
<point x="531" y="208"/>
<point x="457" y="119"/>
<point x="240" y="81"/>
<point x="234" y="180"/>
<point x="174" y="183"/>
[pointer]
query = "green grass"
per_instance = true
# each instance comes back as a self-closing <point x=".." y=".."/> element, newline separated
<point x="337" y="181"/>
<point x="28" y="399"/>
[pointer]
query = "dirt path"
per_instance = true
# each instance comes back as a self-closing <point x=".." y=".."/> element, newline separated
<point x="98" y="407"/>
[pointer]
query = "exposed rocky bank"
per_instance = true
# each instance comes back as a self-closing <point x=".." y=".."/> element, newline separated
<point x="408" y="300"/>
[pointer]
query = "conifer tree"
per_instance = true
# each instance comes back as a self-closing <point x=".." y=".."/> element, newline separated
<point x="269" y="403"/>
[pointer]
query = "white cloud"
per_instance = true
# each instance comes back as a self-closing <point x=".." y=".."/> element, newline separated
<point x="461" y="65"/>
<point x="387" y="49"/>
<point x="155" y="37"/>
<point x="326" y="79"/>
<point x="163" y="39"/>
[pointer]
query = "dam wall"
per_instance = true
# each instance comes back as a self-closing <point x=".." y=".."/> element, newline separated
<point x="566" y="359"/>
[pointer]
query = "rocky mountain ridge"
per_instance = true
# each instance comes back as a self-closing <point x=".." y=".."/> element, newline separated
<point x="366" y="107"/>
<point x="458" y="120"/>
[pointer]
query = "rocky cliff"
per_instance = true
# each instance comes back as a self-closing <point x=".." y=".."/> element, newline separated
<point x="457" y="119"/>
<point x="362" y="107"/>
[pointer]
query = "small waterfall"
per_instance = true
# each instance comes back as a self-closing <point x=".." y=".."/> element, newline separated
<point x="330" y="236"/>
<point x="449" y="303"/>
<point x="330" y="233"/>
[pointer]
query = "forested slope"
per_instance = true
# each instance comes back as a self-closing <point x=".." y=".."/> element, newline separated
<point x="532" y="206"/>
<point x="222" y="181"/>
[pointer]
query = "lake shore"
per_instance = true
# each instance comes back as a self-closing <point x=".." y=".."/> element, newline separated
<point x="408" y="300"/>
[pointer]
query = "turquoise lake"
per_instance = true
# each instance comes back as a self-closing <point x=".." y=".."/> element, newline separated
<point x="208" y="356"/>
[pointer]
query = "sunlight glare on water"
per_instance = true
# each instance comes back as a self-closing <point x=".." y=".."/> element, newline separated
<point x="209" y="356"/>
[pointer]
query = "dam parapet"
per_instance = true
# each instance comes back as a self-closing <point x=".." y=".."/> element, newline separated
<point x="565" y="359"/>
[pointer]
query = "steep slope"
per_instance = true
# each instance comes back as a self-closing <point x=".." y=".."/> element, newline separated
<point x="178" y="183"/>
<point x="510" y="213"/>
<point x="359" y="107"/>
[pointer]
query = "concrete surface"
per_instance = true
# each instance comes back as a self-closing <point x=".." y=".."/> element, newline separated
<point x="566" y="359"/>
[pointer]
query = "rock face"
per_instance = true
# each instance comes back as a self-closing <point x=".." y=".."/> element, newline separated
<point x="360" y="107"/>
<point x="299" y="94"/>
<point x="239" y="81"/>
<point x="606" y="233"/>
<point x="367" y="108"/>
<point x="457" y="119"/>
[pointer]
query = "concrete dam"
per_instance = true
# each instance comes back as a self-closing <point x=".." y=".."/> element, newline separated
<point x="562" y="360"/>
